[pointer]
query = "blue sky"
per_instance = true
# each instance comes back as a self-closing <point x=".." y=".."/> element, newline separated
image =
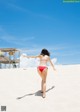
<point x="37" y="24"/>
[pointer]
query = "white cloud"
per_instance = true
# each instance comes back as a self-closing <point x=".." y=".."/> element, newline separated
<point x="19" y="8"/>
<point x="16" y="41"/>
<point x="12" y="38"/>
<point x="28" y="62"/>
<point x="54" y="60"/>
<point x="5" y="37"/>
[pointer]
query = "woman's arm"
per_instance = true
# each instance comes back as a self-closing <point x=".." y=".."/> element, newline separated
<point x="32" y="56"/>
<point x="51" y="64"/>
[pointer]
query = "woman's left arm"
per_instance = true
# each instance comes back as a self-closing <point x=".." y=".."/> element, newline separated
<point x="52" y="64"/>
<point x="31" y="56"/>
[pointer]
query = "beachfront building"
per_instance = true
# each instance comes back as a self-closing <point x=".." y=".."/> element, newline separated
<point x="9" y="58"/>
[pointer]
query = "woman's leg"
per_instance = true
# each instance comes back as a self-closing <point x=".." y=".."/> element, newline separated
<point x="43" y="83"/>
<point x="44" y="74"/>
<point x="39" y="72"/>
<point x="42" y="86"/>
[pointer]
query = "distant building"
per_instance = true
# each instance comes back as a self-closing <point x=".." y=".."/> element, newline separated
<point x="8" y="57"/>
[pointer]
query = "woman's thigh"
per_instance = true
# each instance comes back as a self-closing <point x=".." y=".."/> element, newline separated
<point x="39" y="72"/>
<point x="43" y="74"/>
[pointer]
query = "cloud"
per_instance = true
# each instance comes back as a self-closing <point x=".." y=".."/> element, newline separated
<point x="70" y="54"/>
<point x="9" y="38"/>
<point x="54" y="60"/>
<point x="31" y="62"/>
<point x="16" y="41"/>
<point x="28" y="11"/>
<point x="18" y="8"/>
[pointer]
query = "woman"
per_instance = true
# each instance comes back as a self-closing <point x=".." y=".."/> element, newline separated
<point x="42" y="68"/>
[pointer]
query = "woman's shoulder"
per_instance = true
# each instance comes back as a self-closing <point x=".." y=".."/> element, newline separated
<point x="46" y="56"/>
<point x="39" y="56"/>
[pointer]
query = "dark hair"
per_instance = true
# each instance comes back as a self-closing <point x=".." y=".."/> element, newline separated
<point x="45" y="52"/>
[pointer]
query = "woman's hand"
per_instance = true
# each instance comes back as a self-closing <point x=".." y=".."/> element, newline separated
<point x="23" y="55"/>
<point x="26" y="56"/>
<point x="54" y="69"/>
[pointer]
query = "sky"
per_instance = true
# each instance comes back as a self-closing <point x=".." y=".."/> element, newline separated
<point x="31" y="25"/>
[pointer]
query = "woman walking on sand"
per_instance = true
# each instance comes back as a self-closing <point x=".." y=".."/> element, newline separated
<point x="42" y="68"/>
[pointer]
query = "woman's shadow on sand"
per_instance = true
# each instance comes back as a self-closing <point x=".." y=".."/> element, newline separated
<point x="38" y="93"/>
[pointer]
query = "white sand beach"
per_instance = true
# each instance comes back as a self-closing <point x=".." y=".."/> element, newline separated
<point x="20" y="90"/>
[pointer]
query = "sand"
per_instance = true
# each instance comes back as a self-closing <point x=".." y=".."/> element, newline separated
<point x="20" y="90"/>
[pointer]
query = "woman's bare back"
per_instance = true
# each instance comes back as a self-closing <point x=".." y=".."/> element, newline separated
<point x="44" y="60"/>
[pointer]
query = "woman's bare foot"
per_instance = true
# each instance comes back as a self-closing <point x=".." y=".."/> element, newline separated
<point x="41" y="91"/>
<point x="44" y="95"/>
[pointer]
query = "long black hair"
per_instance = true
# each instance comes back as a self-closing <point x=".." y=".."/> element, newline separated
<point x="45" y="52"/>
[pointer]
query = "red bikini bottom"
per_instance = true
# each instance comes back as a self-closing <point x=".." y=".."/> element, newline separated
<point x="41" y="68"/>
